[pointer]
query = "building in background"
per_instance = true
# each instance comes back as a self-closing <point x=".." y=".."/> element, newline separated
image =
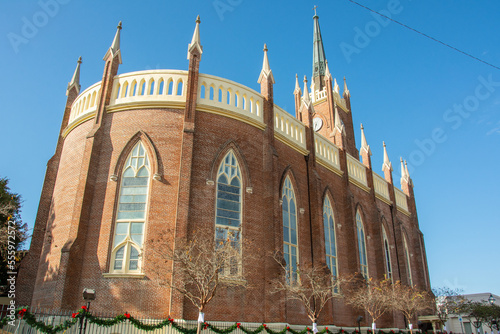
<point x="461" y="323"/>
<point x="171" y="150"/>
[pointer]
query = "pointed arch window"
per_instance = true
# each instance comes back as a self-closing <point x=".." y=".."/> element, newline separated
<point x="387" y="254"/>
<point x="228" y="208"/>
<point x="330" y="241"/>
<point x="289" y="213"/>
<point x="131" y="213"/>
<point x="363" y="263"/>
<point x="407" y="260"/>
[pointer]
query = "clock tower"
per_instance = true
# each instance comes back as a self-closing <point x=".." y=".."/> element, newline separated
<point x="327" y="101"/>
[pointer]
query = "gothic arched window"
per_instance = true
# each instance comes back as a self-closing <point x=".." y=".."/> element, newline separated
<point x="289" y="212"/>
<point x="330" y="243"/>
<point x="363" y="263"/>
<point x="228" y="208"/>
<point x="407" y="260"/>
<point x="131" y="213"/>
<point x="387" y="254"/>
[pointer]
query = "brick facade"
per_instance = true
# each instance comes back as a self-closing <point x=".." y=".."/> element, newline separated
<point x="72" y="240"/>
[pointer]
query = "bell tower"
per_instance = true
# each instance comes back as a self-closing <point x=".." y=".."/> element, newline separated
<point x="331" y="109"/>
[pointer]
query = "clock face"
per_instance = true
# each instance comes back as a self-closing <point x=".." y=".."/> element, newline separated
<point x="317" y="123"/>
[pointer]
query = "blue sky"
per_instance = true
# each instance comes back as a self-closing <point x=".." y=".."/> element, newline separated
<point x="433" y="106"/>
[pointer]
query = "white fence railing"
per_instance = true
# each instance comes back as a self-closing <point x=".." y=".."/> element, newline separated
<point x="326" y="151"/>
<point x="229" y="96"/>
<point x="401" y="199"/>
<point x="85" y="103"/>
<point x="150" y="86"/>
<point x="381" y="187"/>
<point x="290" y="128"/>
<point x="356" y="171"/>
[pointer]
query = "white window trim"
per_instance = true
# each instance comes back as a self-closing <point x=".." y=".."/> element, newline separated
<point x="387" y="253"/>
<point x="128" y="242"/>
<point x="227" y="269"/>
<point x="290" y="244"/>
<point x="363" y="267"/>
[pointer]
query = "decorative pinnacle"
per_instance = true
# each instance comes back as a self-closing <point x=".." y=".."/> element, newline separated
<point x="407" y="173"/>
<point x="346" y="90"/>
<point x="297" y="86"/>
<point x="116" y="42"/>
<point x="114" y="49"/>
<point x="403" y="171"/>
<point x="339" y="125"/>
<point x="306" y="97"/>
<point x="364" y="144"/>
<point x="387" y="163"/>
<point x="195" y="41"/>
<point x="327" y="71"/>
<point x="335" y="86"/>
<point x="266" y="69"/>
<point x="75" y="80"/>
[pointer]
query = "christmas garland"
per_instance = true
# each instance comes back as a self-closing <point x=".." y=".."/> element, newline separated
<point x="82" y="314"/>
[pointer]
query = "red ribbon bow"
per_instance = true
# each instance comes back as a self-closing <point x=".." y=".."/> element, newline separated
<point x="84" y="307"/>
<point x="21" y="312"/>
<point x="73" y="315"/>
<point x="127" y="315"/>
<point x="238" y="325"/>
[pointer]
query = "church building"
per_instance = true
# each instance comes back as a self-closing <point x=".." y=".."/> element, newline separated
<point x="146" y="152"/>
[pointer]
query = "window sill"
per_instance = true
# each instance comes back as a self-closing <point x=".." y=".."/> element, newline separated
<point x="233" y="280"/>
<point x="123" y="275"/>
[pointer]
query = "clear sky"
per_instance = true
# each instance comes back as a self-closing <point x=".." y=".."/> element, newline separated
<point x="431" y="105"/>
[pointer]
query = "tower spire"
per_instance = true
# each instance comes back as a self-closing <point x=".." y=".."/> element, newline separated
<point x="195" y="41"/>
<point x="319" y="59"/>
<point x="114" y="49"/>
<point x="75" y="80"/>
<point x="266" y="69"/>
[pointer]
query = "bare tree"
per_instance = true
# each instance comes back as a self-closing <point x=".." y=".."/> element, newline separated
<point x="410" y="301"/>
<point x="448" y="301"/>
<point x="371" y="295"/>
<point x="197" y="268"/>
<point x="313" y="286"/>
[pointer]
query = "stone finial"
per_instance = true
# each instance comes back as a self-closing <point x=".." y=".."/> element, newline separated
<point x="266" y="69"/>
<point x="114" y="49"/>
<point x="346" y="90"/>
<point x="404" y="177"/>
<point x="335" y="86"/>
<point x="407" y="173"/>
<point x="339" y="125"/>
<point x="387" y="165"/>
<point x="306" y="98"/>
<point x="364" y="144"/>
<point x="328" y="75"/>
<point x="195" y="44"/>
<point x="297" y="86"/>
<point x="75" y="80"/>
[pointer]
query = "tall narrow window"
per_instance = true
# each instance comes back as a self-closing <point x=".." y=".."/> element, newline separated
<point x="363" y="263"/>
<point x="387" y="254"/>
<point x="408" y="264"/>
<point x="289" y="212"/>
<point x="228" y="208"/>
<point x="330" y="244"/>
<point x="131" y="215"/>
